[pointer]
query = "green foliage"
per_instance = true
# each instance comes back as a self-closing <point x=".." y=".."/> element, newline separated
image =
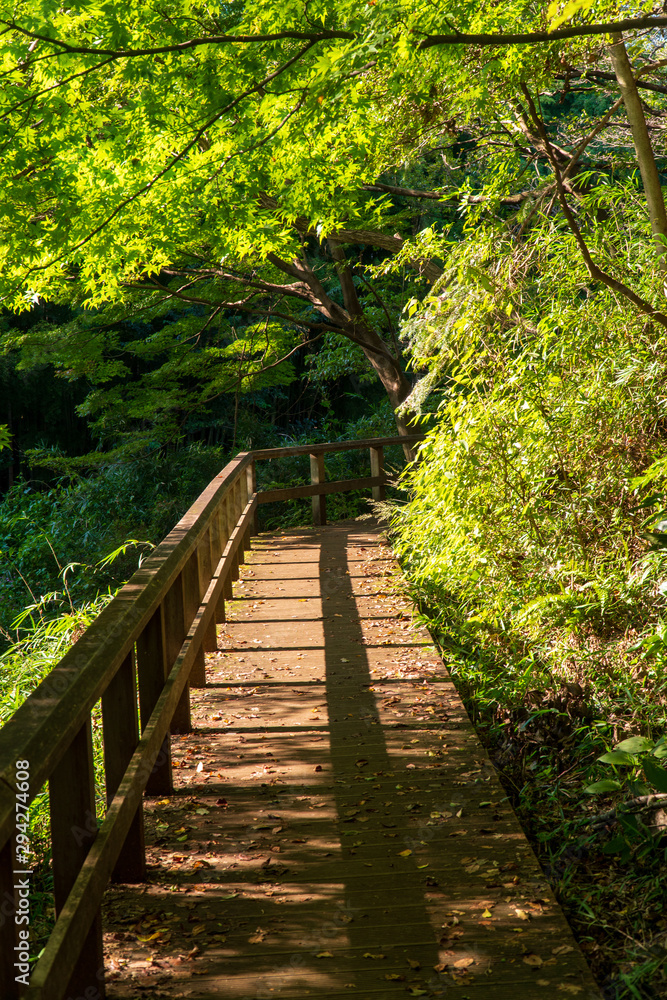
<point x="55" y="544"/>
<point x="637" y="757"/>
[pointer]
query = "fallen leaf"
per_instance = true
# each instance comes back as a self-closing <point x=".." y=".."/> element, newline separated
<point x="522" y="915"/>
<point x="367" y="954"/>
<point x="404" y="854"/>
<point x="534" y="960"/>
<point x="562" y="949"/>
<point x="414" y="964"/>
<point x="463" y="963"/>
<point x="394" y="976"/>
<point x="324" y="954"/>
<point x="487" y="913"/>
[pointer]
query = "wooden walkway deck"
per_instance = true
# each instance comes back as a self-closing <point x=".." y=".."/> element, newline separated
<point x="337" y="828"/>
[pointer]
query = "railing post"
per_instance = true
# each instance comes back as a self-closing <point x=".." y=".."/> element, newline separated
<point x="377" y="469"/>
<point x="205" y="565"/>
<point x="246" y="493"/>
<point x="8" y="985"/>
<point x="251" y="475"/>
<point x="239" y="488"/>
<point x="175" y="631"/>
<point x="223" y="535"/>
<point x="192" y="577"/>
<point x="152" y="673"/>
<point x="218" y="541"/>
<point x="121" y="735"/>
<point x="317" y="475"/>
<point x="232" y="518"/>
<point x="73" y="830"/>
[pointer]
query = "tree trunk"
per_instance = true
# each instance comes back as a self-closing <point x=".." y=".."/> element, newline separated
<point x="385" y="365"/>
<point x="643" y="147"/>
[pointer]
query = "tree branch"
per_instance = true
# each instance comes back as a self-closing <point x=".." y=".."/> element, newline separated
<point x="531" y="37"/>
<point x="596" y="76"/>
<point x="178" y="47"/>
<point x="595" y="272"/>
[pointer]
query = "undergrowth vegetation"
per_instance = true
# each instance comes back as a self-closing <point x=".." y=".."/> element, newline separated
<point x="534" y="543"/>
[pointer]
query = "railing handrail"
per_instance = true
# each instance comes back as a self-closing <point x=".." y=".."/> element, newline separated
<point x="355" y="444"/>
<point x="156" y="627"/>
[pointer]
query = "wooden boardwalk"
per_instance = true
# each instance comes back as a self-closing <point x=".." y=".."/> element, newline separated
<point x="337" y="828"/>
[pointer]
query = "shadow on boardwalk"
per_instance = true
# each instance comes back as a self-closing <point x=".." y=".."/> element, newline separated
<point x="336" y="827"/>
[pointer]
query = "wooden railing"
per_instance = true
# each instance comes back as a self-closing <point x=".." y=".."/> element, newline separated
<point x="139" y="658"/>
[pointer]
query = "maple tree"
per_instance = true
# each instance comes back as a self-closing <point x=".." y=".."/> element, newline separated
<point x="225" y="157"/>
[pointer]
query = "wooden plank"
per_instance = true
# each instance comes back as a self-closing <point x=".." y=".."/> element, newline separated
<point x="73" y="831"/>
<point x="228" y="528"/>
<point x="210" y="643"/>
<point x="240" y="504"/>
<point x="151" y="672"/>
<point x="232" y="518"/>
<point x="175" y="633"/>
<point x="121" y="736"/>
<point x="228" y="558"/>
<point x="192" y="595"/>
<point x="317" y="477"/>
<point x="377" y="470"/>
<point x="222" y="537"/>
<point x="339" y="486"/>
<point x="251" y="473"/>
<point x="309" y="449"/>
